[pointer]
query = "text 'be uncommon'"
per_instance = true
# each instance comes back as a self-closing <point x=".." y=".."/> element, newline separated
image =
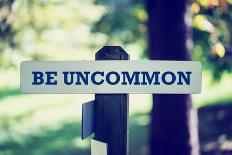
<point x="113" y="78"/>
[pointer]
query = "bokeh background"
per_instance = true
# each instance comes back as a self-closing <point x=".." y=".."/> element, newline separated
<point x="76" y="30"/>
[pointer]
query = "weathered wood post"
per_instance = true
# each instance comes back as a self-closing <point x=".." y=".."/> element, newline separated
<point x="111" y="110"/>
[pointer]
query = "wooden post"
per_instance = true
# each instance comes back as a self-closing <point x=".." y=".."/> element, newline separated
<point x="111" y="110"/>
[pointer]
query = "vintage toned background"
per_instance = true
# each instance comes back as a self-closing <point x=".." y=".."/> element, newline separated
<point x="76" y="30"/>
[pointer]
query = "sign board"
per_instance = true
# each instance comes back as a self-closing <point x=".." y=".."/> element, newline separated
<point x="98" y="148"/>
<point x="87" y="119"/>
<point x="107" y="77"/>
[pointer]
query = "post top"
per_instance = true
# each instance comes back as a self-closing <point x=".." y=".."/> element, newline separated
<point x="112" y="53"/>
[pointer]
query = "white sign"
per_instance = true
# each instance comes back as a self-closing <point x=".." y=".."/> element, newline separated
<point x="98" y="148"/>
<point x="107" y="77"/>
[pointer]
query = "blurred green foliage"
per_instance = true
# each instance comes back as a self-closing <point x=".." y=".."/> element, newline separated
<point x="212" y="29"/>
<point x="37" y="29"/>
<point x="54" y="29"/>
<point x="125" y="22"/>
<point x="74" y="30"/>
<point x="212" y="34"/>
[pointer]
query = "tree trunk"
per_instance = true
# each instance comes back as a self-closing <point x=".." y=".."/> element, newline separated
<point x="173" y="120"/>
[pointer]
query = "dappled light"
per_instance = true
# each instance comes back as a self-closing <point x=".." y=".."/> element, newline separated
<point x="57" y="30"/>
